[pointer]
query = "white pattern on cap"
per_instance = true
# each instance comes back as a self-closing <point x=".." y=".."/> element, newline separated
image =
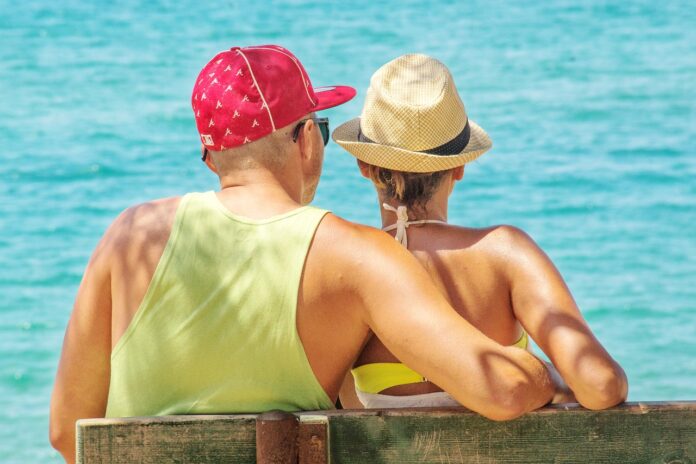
<point x="251" y="71"/>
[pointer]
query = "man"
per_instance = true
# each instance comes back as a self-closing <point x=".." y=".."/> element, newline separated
<point x="245" y="299"/>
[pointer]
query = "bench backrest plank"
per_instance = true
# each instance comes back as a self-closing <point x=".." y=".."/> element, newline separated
<point x="204" y="439"/>
<point x="630" y="433"/>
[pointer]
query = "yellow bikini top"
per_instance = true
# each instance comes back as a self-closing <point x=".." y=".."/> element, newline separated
<point x="377" y="377"/>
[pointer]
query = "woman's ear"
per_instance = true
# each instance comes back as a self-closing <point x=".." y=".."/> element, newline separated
<point x="364" y="168"/>
<point x="458" y="173"/>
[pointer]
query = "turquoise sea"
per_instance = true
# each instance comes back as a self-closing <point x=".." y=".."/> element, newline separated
<point x="590" y="105"/>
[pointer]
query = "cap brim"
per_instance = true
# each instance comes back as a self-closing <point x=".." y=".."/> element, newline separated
<point x="330" y="96"/>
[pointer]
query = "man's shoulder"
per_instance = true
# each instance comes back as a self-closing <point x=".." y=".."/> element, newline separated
<point x="340" y="232"/>
<point x="152" y="209"/>
<point x="355" y="246"/>
<point x="149" y="219"/>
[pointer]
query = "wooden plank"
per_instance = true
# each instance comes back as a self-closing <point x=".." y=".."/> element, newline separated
<point x="631" y="433"/>
<point x="174" y="439"/>
<point x="276" y="437"/>
<point x="313" y="439"/>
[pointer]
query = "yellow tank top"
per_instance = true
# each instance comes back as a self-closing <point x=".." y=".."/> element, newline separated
<point x="216" y="331"/>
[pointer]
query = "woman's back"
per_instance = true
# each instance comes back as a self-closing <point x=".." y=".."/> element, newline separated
<point x="412" y="140"/>
<point x="468" y="266"/>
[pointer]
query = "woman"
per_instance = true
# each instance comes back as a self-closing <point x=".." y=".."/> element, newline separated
<point x="413" y="140"/>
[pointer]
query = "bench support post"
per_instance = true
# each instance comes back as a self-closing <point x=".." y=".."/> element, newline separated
<point x="276" y="438"/>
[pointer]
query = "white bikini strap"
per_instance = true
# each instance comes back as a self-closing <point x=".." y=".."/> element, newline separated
<point x="402" y="223"/>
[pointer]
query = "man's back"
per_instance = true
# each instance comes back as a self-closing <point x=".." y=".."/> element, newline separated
<point x="328" y="326"/>
<point x="222" y="300"/>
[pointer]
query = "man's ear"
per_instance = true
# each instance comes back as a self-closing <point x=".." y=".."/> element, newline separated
<point x="458" y="173"/>
<point x="208" y="159"/>
<point x="364" y="168"/>
<point x="307" y="140"/>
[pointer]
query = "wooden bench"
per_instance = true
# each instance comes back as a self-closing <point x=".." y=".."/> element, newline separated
<point x="631" y="433"/>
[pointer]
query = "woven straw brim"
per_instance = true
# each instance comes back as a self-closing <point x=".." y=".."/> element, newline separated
<point x="399" y="159"/>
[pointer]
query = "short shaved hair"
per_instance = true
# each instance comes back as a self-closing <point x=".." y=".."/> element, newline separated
<point x="271" y="152"/>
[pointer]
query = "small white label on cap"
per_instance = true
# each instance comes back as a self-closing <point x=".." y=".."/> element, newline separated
<point x="207" y="139"/>
<point x="323" y="89"/>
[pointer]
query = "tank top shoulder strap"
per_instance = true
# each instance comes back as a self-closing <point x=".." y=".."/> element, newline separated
<point x="209" y="200"/>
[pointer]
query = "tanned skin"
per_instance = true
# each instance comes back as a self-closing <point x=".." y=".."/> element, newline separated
<point x="356" y="281"/>
<point x="499" y="279"/>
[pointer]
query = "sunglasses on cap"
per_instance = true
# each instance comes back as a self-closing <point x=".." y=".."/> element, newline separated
<point x="323" y="124"/>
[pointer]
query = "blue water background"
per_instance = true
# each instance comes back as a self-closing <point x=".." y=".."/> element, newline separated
<point x="591" y="107"/>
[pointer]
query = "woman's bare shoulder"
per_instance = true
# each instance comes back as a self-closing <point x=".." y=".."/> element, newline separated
<point x="503" y="246"/>
<point x="502" y="237"/>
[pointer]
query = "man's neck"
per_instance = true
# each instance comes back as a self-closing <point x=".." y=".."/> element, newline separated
<point x="259" y="193"/>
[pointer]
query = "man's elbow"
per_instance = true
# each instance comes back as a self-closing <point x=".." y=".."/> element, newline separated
<point x="504" y="412"/>
<point x="513" y="400"/>
<point x="608" y="389"/>
<point x="61" y="439"/>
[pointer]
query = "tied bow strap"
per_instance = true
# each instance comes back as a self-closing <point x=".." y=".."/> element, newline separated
<point x="401" y="223"/>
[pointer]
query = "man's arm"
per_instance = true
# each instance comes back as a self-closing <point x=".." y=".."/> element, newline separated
<point x="410" y="316"/>
<point x="82" y="382"/>
<point x="543" y="304"/>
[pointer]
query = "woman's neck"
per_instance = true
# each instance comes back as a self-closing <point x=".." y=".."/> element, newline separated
<point x="435" y="209"/>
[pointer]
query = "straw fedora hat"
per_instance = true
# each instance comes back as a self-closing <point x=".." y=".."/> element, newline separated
<point x="413" y="120"/>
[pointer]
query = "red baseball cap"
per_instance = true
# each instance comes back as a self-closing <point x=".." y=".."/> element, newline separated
<point x="244" y="94"/>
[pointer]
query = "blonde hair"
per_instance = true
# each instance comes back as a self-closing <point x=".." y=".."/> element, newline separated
<point x="411" y="189"/>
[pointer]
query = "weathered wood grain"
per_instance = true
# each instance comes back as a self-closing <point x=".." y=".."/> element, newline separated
<point x="313" y="439"/>
<point x="276" y="437"/>
<point x="170" y="439"/>
<point x="632" y="433"/>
